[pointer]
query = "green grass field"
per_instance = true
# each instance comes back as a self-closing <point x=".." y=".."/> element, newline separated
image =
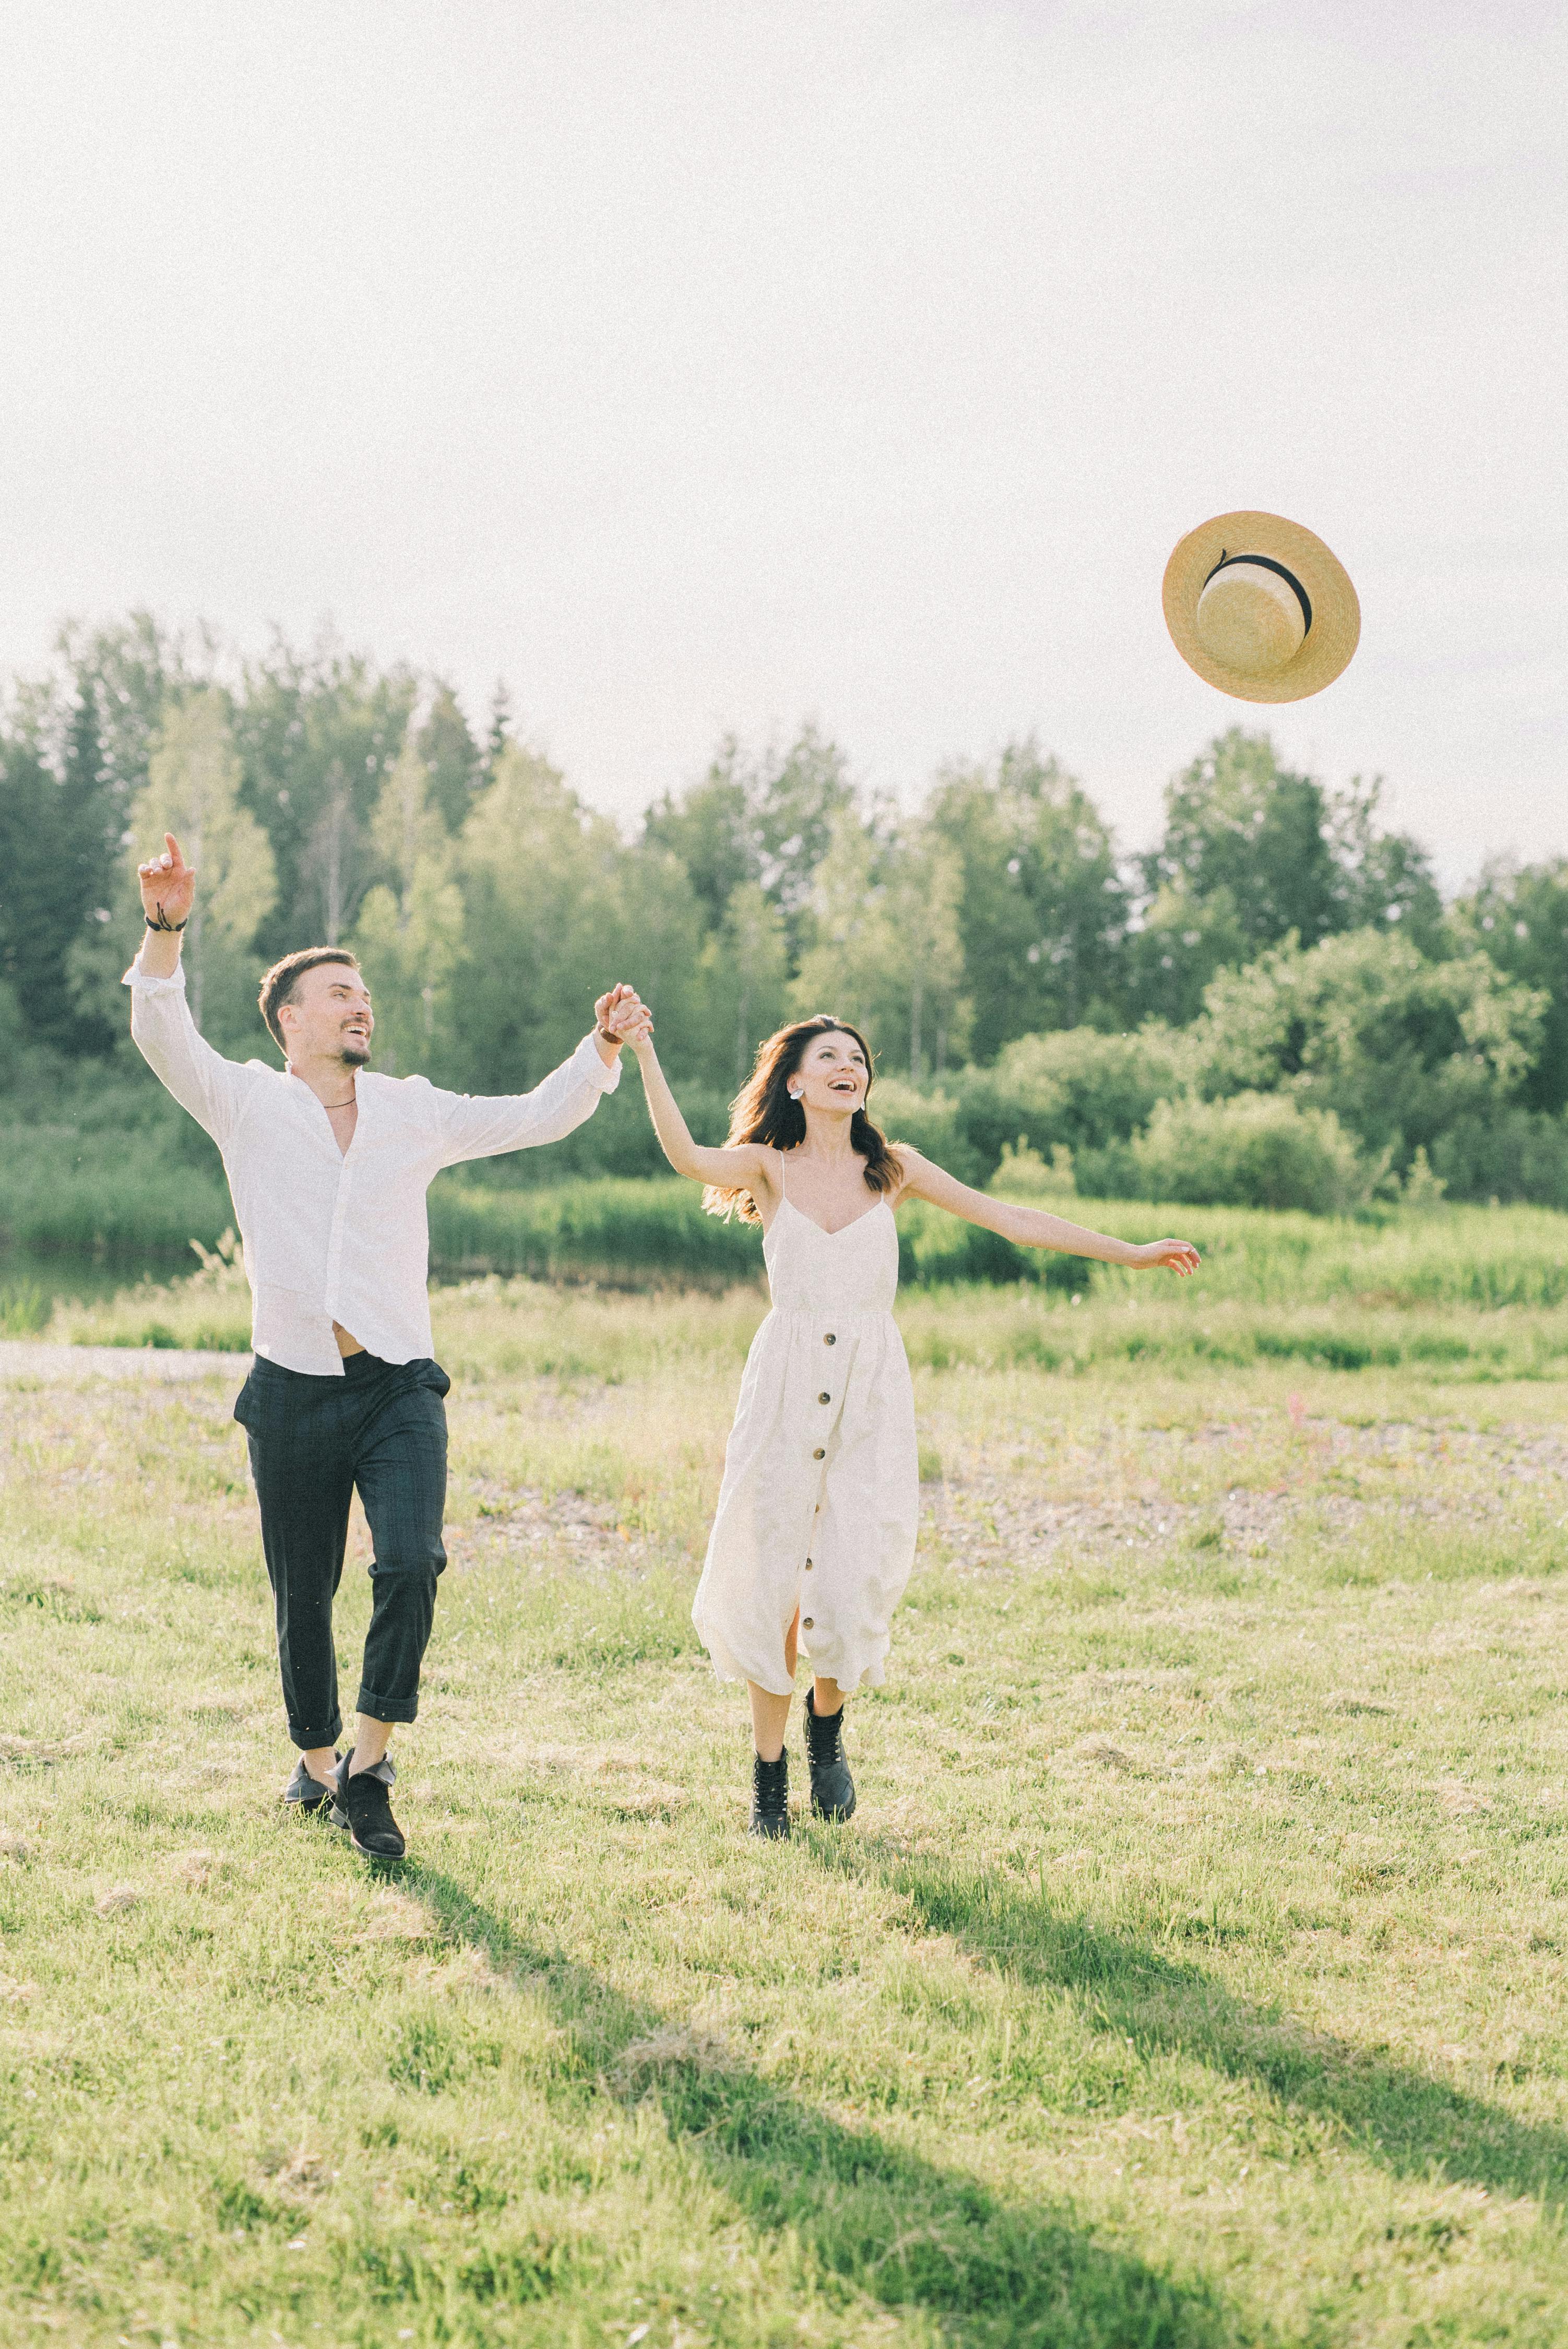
<point x="1192" y="1975"/>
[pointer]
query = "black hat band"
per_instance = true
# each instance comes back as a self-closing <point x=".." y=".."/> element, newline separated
<point x="1266" y="562"/>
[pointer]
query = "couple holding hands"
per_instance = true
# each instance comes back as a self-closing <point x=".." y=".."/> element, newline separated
<point x="328" y="1164"/>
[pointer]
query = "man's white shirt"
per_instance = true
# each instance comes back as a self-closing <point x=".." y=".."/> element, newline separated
<point x="342" y="1236"/>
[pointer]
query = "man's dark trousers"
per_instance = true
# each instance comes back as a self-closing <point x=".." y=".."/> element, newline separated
<point x="382" y="1426"/>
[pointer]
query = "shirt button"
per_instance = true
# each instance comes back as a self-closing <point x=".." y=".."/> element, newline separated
<point x="819" y="1454"/>
<point x="809" y="1563"/>
<point x="824" y="1398"/>
<point x="830" y="1340"/>
<point x="807" y="1622"/>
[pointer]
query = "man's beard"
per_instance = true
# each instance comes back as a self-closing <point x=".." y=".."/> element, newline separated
<point x="356" y="1052"/>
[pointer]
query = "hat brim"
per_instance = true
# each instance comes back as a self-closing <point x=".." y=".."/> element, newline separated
<point x="1326" y="648"/>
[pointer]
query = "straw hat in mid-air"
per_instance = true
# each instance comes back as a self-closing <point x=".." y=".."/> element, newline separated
<point x="1260" y="607"/>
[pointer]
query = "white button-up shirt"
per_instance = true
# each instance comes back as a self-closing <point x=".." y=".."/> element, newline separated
<point x="342" y="1236"/>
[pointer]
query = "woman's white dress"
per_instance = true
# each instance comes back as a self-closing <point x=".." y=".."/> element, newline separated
<point x="820" y="1500"/>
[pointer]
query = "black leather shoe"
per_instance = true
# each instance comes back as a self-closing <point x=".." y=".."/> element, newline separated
<point x="832" y="1788"/>
<point x="769" y="1796"/>
<point x="305" y="1793"/>
<point x="364" y="1806"/>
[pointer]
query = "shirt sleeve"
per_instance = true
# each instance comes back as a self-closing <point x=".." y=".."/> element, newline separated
<point x="213" y="1090"/>
<point x="483" y="1125"/>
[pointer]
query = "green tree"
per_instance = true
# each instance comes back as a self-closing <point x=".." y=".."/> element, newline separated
<point x="1041" y="911"/>
<point x="193" y="790"/>
<point x="1181" y="941"/>
<point x="747" y="961"/>
<point x="885" y="948"/>
<point x="1517" y="914"/>
<point x="407" y="825"/>
<point x="409" y="932"/>
<point x="500" y="729"/>
<point x="1381" y="878"/>
<point x="1235" y="820"/>
<point x="59" y="840"/>
<point x="764" y="818"/>
<point x="712" y="829"/>
<point x="846" y="967"/>
<point x="72" y="762"/>
<point x="796" y="799"/>
<point x="126" y="674"/>
<point x="927" y="898"/>
<point x="1398" y="1047"/>
<point x="557" y="909"/>
<point x="317" y="734"/>
<point x="654" y="938"/>
<point x="1252" y="853"/>
<point x="453" y="759"/>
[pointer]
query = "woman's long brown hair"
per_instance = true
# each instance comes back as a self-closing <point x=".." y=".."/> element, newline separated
<point x="763" y="1110"/>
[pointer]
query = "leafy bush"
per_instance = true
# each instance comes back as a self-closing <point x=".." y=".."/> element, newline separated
<point x="1515" y="1154"/>
<point x="1254" y="1150"/>
<point x="929" y="1123"/>
<point x="1077" y="1087"/>
<point x="1398" y="1048"/>
<point x="1024" y="1173"/>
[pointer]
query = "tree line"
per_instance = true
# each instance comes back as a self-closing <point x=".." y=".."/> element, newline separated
<point x="1022" y="979"/>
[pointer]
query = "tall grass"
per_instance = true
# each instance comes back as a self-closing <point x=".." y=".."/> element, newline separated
<point x="24" y="1309"/>
<point x="638" y="1234"/>
<point x="635" y="1233"/>
<point x="128" y="1198"/>
<point x="1486" y="1256"/>
<point x="136" y="1201"/>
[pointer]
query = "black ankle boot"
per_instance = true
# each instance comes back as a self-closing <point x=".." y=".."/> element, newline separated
<point x="769" y="1796"/>
<point x="832" y="1788"/>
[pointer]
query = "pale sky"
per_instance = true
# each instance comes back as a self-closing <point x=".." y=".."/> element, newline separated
<point x="710" y="367"/>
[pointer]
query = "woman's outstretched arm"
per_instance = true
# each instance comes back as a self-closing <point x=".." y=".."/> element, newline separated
<point x="1032" y="1227"/>
<point x="745" y="1168"/>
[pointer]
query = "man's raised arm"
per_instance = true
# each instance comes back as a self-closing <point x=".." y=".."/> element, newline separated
<point x="477" y="1126"/>
<point x="200" y="1079"/>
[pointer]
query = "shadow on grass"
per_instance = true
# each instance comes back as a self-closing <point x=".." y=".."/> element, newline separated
<point x="898" y="2228"/>
<point x="1418" y="2127"/>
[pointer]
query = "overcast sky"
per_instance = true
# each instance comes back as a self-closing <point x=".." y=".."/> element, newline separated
<point x="709" y="366"/>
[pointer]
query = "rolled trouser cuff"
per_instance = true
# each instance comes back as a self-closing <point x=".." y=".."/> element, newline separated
<point x="387" y="1708"/>
<point x="310" y="1738"/>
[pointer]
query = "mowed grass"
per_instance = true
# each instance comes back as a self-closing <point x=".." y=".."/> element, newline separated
<point x="1192" y="1974"/>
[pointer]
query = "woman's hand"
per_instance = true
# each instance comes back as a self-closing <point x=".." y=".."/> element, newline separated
<point x="1179" y="1256"/>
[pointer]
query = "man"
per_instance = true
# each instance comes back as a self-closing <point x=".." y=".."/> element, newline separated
<point x="328" y="1165"/>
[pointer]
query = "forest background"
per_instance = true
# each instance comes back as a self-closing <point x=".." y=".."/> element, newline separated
<point x="1274" y="1005"/>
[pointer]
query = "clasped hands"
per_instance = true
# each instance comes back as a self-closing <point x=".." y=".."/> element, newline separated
<point x="623" y="1017"/>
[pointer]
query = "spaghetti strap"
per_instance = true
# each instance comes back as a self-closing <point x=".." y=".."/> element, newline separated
<point x="782" y="1193"/>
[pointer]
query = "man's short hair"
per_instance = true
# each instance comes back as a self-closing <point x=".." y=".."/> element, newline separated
<point x="278" y="985"/>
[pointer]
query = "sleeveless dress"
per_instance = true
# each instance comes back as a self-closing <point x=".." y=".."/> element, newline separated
<point x="820" y="1500"/>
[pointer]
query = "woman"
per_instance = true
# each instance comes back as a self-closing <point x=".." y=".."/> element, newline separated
<point x="818" y="1513"/>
